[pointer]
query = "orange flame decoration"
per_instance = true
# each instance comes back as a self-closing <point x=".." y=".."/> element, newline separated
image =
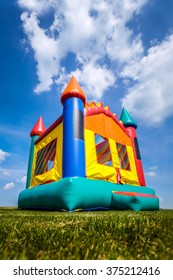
<point x="93" y="104"/>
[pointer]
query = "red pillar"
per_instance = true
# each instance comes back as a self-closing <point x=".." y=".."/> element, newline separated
<point x="132" y="133"/>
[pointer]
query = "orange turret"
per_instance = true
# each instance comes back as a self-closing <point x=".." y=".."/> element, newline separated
<point x="73" y="89"/>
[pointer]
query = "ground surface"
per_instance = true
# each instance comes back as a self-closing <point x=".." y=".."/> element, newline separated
<point x="86" y="235"/>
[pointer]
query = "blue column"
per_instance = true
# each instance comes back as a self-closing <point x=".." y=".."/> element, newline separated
<point x="73" y="138"/>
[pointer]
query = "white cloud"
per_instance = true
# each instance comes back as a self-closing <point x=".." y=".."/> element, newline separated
<point x="94" y="79"/>
<point x="9" y="186"/>
<point x="22" y="180"/>
<point x="92" y="30"/>
<point x="4" y="172"/>
<point x="152" y="171"/>
<point x="151" y="174"/>
<point x="35" y="5"/>
<point x="46" y="51"/>
<point x="104" y="47"/>
<point x="151" y="98"/>
<point x="14" y="174"/>
<point x="154" y="167"/>
<point x="3" y="155"/>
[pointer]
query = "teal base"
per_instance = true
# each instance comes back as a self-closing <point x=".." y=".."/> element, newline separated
<point x="72" y="194"/>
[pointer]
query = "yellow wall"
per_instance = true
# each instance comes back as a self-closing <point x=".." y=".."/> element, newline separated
<point x="55" y="173"/>
<point x="106" y="127"/>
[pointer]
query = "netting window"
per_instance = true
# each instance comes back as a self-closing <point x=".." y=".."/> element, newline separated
<point x="103" y="150"/>
<point x="123" y="156"/>
<point x="137" y="148"/>
<point x="45" y="158"/>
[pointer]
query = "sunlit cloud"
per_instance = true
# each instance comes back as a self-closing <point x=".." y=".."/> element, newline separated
<point x="105" y="48"/>
<point x="151" y="98"/>
<point x="9" y="186"/>
<point x="3" y="155"/>
<point x="152" y="171"/>
<point x="98" y="37"/>
<point x="22" y="180"/>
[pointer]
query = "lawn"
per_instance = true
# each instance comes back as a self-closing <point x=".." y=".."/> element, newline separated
<point x="86" y="235"/>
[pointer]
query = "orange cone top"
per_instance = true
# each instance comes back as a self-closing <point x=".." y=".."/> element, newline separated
<point x="73" y="89"/>
<point x="38" y="128"/>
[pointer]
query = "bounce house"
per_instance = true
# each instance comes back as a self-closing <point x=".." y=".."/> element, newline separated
<point x="88" y="159"/>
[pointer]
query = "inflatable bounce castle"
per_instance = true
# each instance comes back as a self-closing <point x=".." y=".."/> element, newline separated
<point x="87" y="159"/>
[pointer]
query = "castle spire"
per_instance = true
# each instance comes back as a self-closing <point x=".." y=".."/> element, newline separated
<point x="127" y="119"/>
<point x="73" y="89"/>
<point x="38" y="128"/>
<point x="73" y="100"/>
<point x="131" y="126"/>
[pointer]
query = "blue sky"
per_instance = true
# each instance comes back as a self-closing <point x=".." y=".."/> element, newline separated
<point x="121" y="54"/>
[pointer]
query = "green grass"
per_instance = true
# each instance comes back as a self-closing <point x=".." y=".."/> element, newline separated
<point x="86" y="235"/>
